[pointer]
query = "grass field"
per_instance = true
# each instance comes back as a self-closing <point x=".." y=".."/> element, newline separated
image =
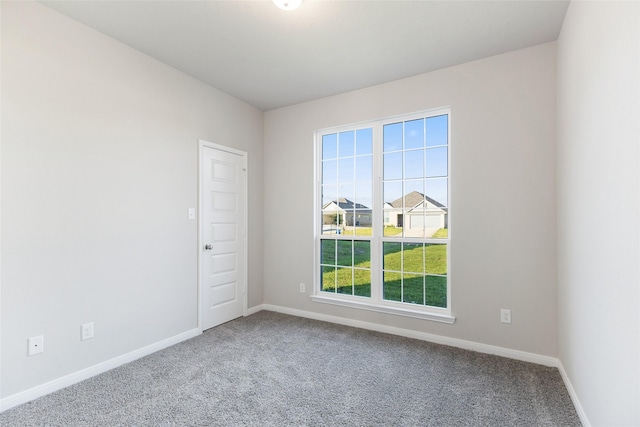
<point x="413" y="273"/>
<point x="368" y="231"/>
<point x="443" y="233"/>
<point x="389" y="231"/>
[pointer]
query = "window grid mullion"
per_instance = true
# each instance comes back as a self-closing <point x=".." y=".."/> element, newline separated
<point x="377" y="239"/>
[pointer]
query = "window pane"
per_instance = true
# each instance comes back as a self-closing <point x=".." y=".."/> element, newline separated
<point x="436" y="189"/>
<point x="362" y="254"/>
<point x="393" y="194"/>
<point x="329" y="146"/>
<point x="395" y="229"/>
<point x="346" y="144"/>
<point x="413" y="258"/>
<point x="437" y="130"/>
<point x="345" y="170"/>
<point x="436" y="291"/>
<point x="363" y="211"/>
<point x="345" y="252"/>
<point x="364" y="168"/>
<point x="392" y="287"/>
<point x="364" y="141"/>
<point x="329" y="209"/>
<point x="349" y="218"/>
<point x="329" y="194"/>
<point x="392" y="168"/>
<point x="363" y="199"/>
<point x="414" y="134"/>
<point x="344" y="280"/>
<point x="328" y="252"/>
<point x="363" y="222"/>
<point x="436" y="220"/>
<point x="328" y="279"/>
<point x="392" y="137"/>
<point x="413" y="288"/>
<point x="362" y="282"/>
<point x="413" y="214"/>
<point x="436" y="259"/>
<point x="413" y="224"/>
<point x="392" y="256"/>
<point x="413" y="193"/>
<point x="414" y="164"/>
<point x="440" y="233"/>
<point x="336" y="225"/>
<point x="329" y="172"/>
<point x="436" y="162"/>
<point x="346" y="194"/>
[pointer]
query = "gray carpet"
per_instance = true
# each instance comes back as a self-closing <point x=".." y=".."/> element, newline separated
<point x="271" y="369"/>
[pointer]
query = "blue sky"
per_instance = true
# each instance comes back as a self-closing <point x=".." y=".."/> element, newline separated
<point x="421" y="145"/>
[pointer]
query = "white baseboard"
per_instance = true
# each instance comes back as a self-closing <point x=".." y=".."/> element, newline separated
<point x="574" y="397"/>
<point x="76" y="377"/>
<point x="438" y="339"/>
<point x="254" y="309"/>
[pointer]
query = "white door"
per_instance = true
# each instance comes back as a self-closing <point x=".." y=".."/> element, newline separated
<point x="223" y="234"/>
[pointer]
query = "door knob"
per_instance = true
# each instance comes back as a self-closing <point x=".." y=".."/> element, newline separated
<point x="208" y="247"/>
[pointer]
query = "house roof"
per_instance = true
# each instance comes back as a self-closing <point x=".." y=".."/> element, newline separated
<point x="413" y="199"/>
<point x="346" y="204"/>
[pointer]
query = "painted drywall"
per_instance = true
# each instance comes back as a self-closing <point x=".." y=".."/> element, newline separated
<point x="503" y="218"/>
<point x="99" y="167"/>
<point x="599" y="208"/>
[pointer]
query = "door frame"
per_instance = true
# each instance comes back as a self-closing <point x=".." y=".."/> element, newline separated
<point x="202" y="144"/>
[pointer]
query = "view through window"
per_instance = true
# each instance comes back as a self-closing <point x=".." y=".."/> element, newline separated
<point x="384" y="213"/>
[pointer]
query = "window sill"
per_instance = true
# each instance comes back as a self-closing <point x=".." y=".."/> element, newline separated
<point x="416" y="314"/>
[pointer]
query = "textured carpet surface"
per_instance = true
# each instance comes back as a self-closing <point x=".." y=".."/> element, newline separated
<point x="271" y="369"/>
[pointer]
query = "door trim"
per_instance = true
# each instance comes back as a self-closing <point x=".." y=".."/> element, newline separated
<point x="202" y="144"/>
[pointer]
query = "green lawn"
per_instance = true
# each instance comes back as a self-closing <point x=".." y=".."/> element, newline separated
<point x="443" y="233"/>
<point x="390" y="230"/>
<point x="424" y="279"/>
<point x="368" y="231"/>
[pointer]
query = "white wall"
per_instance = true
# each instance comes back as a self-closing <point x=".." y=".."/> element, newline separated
<point x="503" y="160"/>
<point x="599" y="208"/>
<point x="99" y="166"/>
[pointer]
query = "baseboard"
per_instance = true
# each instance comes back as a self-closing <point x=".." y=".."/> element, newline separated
<point x="76" y="377"/>
<point x="574" y="397"/>
<point x="438" y="339"/>
<point x="254" y="309"/>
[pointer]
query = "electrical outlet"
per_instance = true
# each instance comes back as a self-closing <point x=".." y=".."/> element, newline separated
<point x="35" y="345"/>
<point x="505" y="315"/>
<point x="302" y="288"/>
<point x="86" y="331"/>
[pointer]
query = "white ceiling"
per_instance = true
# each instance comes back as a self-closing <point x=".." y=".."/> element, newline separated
<point x="272" y="58"/>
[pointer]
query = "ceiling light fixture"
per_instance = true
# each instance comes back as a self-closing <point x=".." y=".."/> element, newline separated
<point x="287" y="4"/>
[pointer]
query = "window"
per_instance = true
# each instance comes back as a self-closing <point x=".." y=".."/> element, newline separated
<point x="383" y="234"/>
<point x="347" y="198"/>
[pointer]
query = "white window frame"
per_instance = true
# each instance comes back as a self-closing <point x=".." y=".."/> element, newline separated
<point x="376" y="302"/>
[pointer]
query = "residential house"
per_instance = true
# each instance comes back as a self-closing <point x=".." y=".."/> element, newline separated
<point x="417" y="214"/>
<point x="345" y="212"/>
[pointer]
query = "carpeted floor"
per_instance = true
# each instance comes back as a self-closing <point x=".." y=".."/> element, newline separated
<point x="270" y="369"/>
